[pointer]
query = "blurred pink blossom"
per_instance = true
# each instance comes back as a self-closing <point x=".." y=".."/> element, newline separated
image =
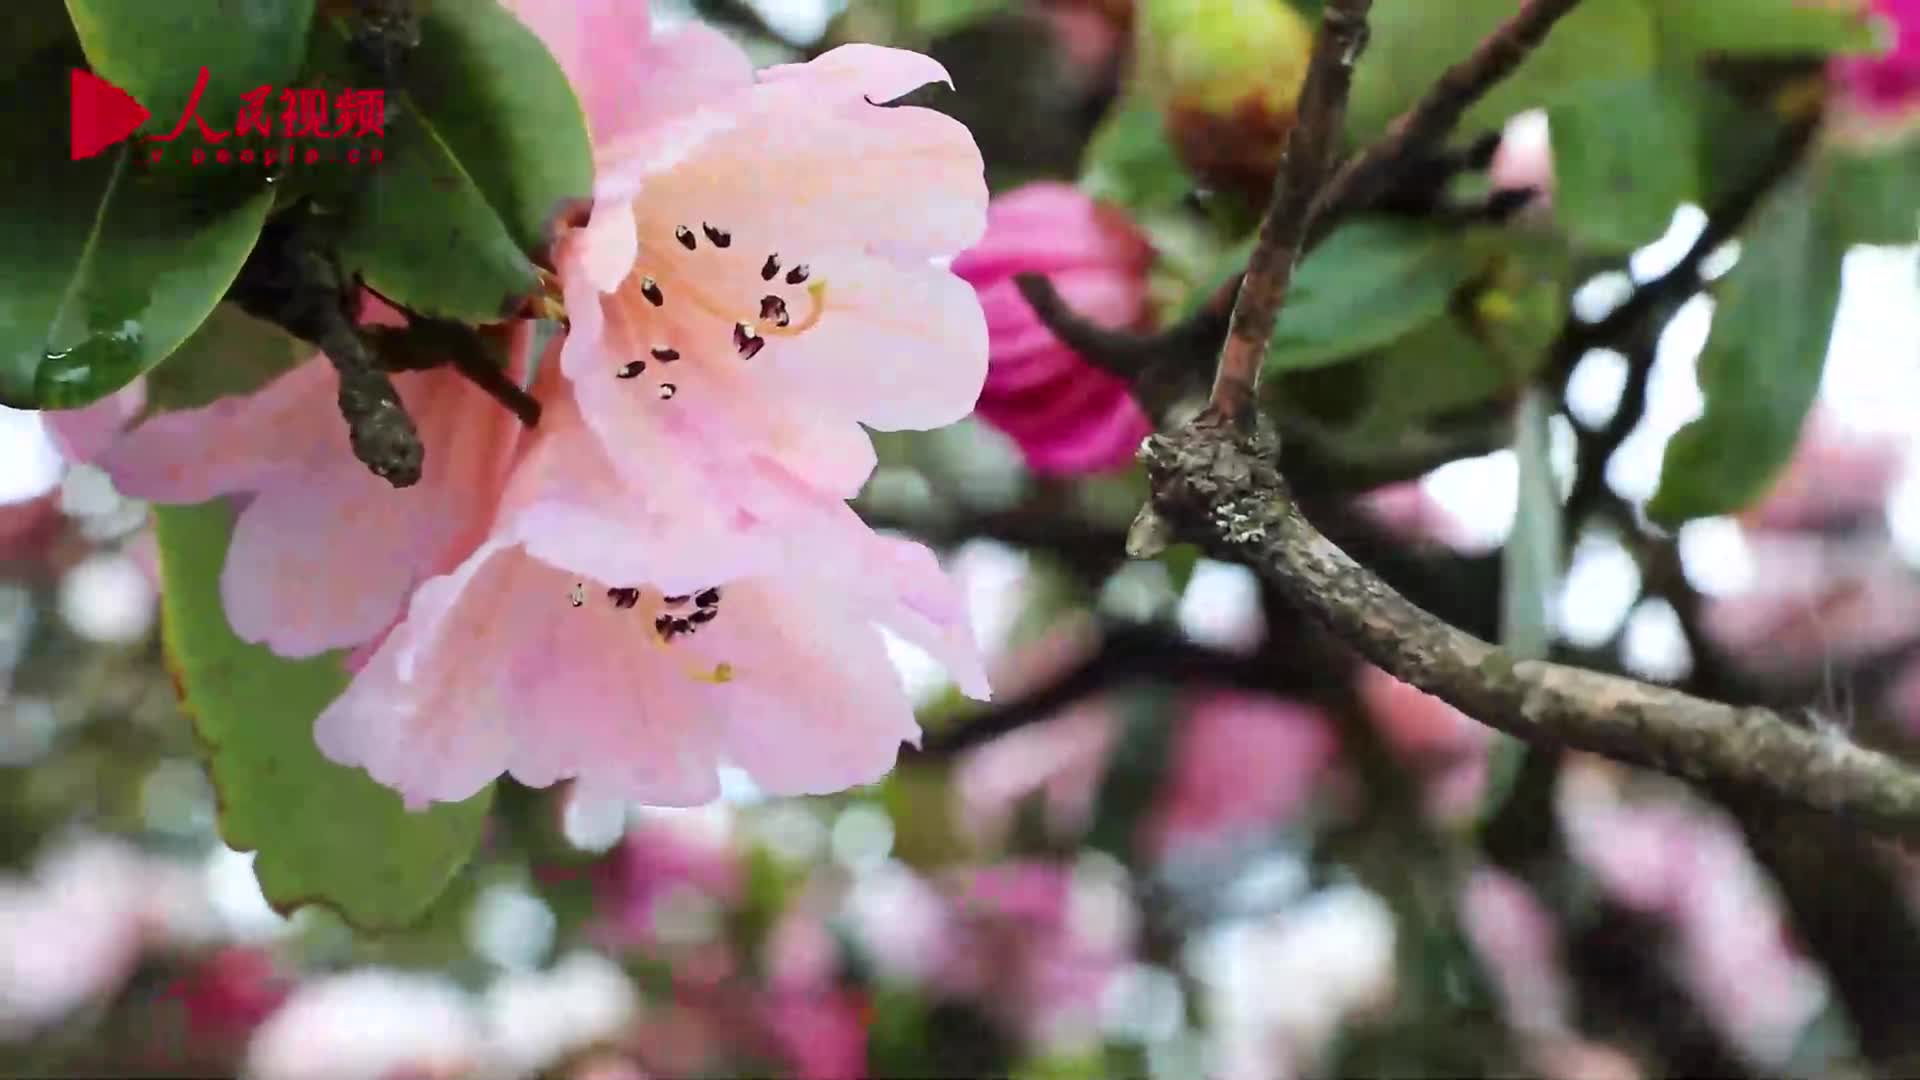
<point x="1242" y="763"/>
<point x="1442" y="743"/>
<point x="1692" y="871"/>
<point x="372" y="1024"/>
<point x="657" y="859"/>
<point x="1834" y="476"/>
<point x="820" y="1032"/>
<point x="1407" y="510"/>
<point x="1035" y="945"/>
<point x="1066" y="415"/>
<point x="1518" y="941"/>
<point x="232" y="992"/>
<point x="1814" y="602"/>
<point x="1888" y="83"/>
<point x="1525" y="156"/>
<point x="74" y="931"/>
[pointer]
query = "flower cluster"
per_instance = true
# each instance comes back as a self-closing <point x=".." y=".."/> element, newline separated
<point x="662" y="576"/>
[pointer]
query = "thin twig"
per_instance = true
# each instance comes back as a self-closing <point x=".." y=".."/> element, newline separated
<point x="1283" y="229"/>
<point x="1370" y="174"/>
<point x="1222" y="489"/>
<point x="1683" y="279"/>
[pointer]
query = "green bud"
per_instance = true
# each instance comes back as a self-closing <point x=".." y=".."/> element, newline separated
<point x="1227" y="76"/>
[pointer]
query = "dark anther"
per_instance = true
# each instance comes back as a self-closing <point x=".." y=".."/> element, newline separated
<point x="720" y="237"/>
<point x="704" y="615"/>
<point x="707" y="598"/>
<point x="742" y="333"/>
<point x="651" y="290"/>
<point x="685" y="236"/>
<point x="664" y="627"/>
<point x="623" y="598"/>
<point x="752" y="347"/>
<point x="797" y="275"/>
<point x="676" y="601"/>
<point x="667" y="390"/>
<point x="665" y="355"/>
<point x="682" y="626"/>
<point x="631" y="369"/>
<point x="773" y="307"/>
<point x="770" y="268"/>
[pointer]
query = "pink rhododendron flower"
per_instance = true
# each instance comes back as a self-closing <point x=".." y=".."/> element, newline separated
<point x="594" y="635"/>
<point x="324" y="553"/>
<point x="1066" y="415"/>
<point x="1890" y="82"/>
<point x="757" y="279"/>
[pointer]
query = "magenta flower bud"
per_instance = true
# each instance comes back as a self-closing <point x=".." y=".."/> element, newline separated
<point x="1887" y="84"/>
<point x="1067" y="415"/>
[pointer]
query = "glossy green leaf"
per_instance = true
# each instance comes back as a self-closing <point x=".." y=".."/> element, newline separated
<point x="1131" y="163"/>
<point x="504" y="108"/>
<point x="232" y="353"/>
<point x="155" y="50"/>
<point x="1414" y="41"/>
<point x="1368" y="284"/>
<point x="1763" y="26"/>
<point x="484" y="150"/>
<point x="324" y="833"/>
<point x="1761" y="367"/>
<point x="103" y="269"/>
<point x="1439" y="368"/>
<point x="1625" y="155"/>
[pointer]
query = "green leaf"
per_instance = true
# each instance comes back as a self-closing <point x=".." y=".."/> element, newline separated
<point x="1875" y="197"/>
<point x="1530" y="559"/>
<point x="1131" y="163"/>
<point x="1763" y="27"/>
<point x="1414" y="41"/>
<point x="232" y="353"/>
<point x="1625" y="155"/>
<point x="155" y="51"/>
<point x="1135" y="771"/>
<point x="324" y="833"/>
<point x="484" y="149"/>
<point x="1369" y="284"/>
<point x="1761" y="367"/>
<point x="103" y="270"/>
<point x="935" y="18"/>
<point x="502" y="105"/>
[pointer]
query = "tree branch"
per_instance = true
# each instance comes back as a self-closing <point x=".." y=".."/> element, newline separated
<point x="1358" y="184"/>
<point x="1221" y="488"/>
<point x="1283" y="229"/>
